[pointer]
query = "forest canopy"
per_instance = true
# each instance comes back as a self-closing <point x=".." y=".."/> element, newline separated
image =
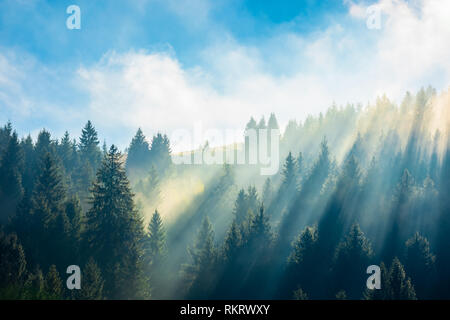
<point x="357" y="186"/>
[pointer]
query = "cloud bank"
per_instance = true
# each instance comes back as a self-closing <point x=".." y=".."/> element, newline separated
<point x="287" y="72"/>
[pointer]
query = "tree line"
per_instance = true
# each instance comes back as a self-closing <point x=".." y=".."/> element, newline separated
<point x="347" y="196"/>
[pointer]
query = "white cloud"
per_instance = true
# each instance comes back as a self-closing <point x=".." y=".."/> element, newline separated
<point x="412" y="48"/>
<point x="155" y="92"/>
<point x="287" y="73"/>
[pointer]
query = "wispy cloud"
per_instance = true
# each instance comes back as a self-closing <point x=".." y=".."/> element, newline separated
<point x="287" y="72"/>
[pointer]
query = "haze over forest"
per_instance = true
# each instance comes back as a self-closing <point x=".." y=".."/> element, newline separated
<point x="94" y="96"/>
<point x="356" y="186"/>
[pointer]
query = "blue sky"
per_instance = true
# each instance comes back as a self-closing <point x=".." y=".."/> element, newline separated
<point x="38" y="26"/>
<point x="166" y="64"/>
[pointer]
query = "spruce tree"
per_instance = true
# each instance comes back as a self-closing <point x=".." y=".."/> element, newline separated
<point x="249" y="128"/>
<point x="5" y="135"/>
<point x="53" y="284"/>
<point x="92" y="282"/>
<point x="267" y="192"/>
<point x="65" y="152"/>
<point x="12" y="261"/>
<point x="352" y="257"/>
<point x="289" y="173"/>
<point x="385" y="292"/>
<point x="34" y="286"/>
<point x="404" y="192"/>
<point x="90" y="159"/>
<point x="29" y="169"/>
<point x="49" y="193"/>
<point x="300" y="167"/>
<point x="401" y="286"/>
<point x="251" y="124"/>
<point x="89" y="145"/>
<point x="114" y="231"/>
<point x="302" y="262"/>
<point x="233" y="241"/>
<point x="156" y="240"/>
<point x="138" y="152"/>
<point x="156" y="254"/>
<point x="260" y="234"/>
<point x="160" y="153"/>
<point x="44" y="145"/>
<point x="272" y="123"/>
<point x="419" y="264"/>
<point x="46" y="217"/>
<point x="252" y="199"/>
<point x="75" y="217"/>
<point x="299" y="294"/>
<point x="240" y="207"/>
<point x="262" y="123"/>
<point x="199" y="273"/>
<point x="11" y="190"/>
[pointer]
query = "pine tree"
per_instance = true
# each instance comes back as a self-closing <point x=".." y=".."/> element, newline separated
<point x="272" y="123"/>
<point x="302" y="262"/>
<point x="65" y="150"/>
<point x="304" y="246"/>
<point x="385" y="292"/>
<point x="419" y="263"/>
<point x="34" y="287"/>
<point x="155" y="255"/>
<point x="331" y="225"/>
<point x="28" y="173"/>
<point x="252" y="199"/>
<point x="138" y="152"/>
<point x="104" y="148"/>
<point x="44" y="145"/>
<point x="53" y="284"/>
<point x="300" y="167"/>
<point x="319" y="173"/>
<point x="341" y="295"/>
<point x="267" y="192"/>
<point x="233" y="241"/>
<point x="289" y="173"/>
<point x="260" y="235"/>
<point x="5" y="135"/>
<point x="89" y="145"/>
<point x="299" y="294"/>
<point x="69" y="228"/>
<point x="199" y="274"/>
<point x="351" y="260"/>
<point x="49" y="193"/>
<point x="160" y="153"/>
<point x="90" y="159"/>
<point x="114" y="231"/>
<point x="240" y="207"/>
<point x="75" y="216"/>
<point x="251" y="124"/>
<point x="401" y="286"/>
<point x="11" y="190"/>
<point x="156" y="240"/>
<point x="12" y="261"/>
<point x="92" y="286"/>
<point x="443" y="236"/>
<point x="231" y="265"/>
<point x="262" y="123"/>
<point x="290" y="133"/>
<point x="250" y="131"/>
<point x="150" y="186"/>
<point x="351" y="175"/>
<point x="46" y="217"/>
<point x="400" y="208"/>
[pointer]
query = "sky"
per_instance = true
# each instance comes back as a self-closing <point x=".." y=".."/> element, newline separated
<point x="168" y="65"/>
